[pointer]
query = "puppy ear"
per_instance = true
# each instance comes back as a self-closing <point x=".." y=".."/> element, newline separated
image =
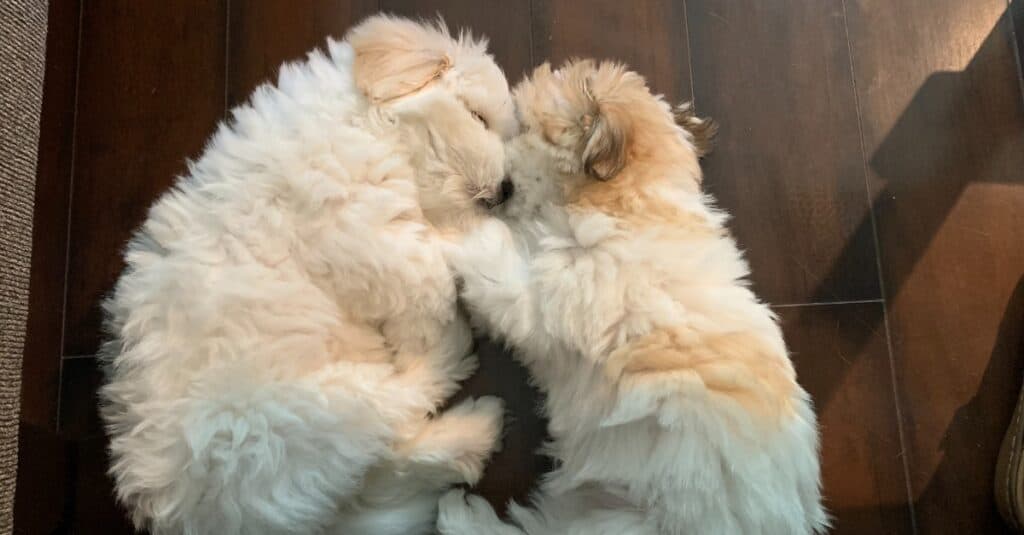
<point x="397" y="57"/>
<point x="606" y="133"/>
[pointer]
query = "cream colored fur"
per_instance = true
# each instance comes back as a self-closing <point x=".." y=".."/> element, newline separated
<point x="673" y="405"/>
<point x="285" y="328"/>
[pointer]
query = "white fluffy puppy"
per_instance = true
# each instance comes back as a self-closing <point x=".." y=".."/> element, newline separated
<point x="673" y="405"/>
<point x="286" y="325"/>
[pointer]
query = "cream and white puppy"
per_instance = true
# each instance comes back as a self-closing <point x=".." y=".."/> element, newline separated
<point x="285" y="328"/>
<point x="673" y="405"/>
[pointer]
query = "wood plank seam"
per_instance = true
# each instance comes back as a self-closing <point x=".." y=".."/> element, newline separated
<point x="828" y="303"/>
<point x="904" y="455"/>
<point x="67" y="230"/>
<point x="1011" y="8"/>
<point x="689" y="54"/>
<point x="227" y="60"/>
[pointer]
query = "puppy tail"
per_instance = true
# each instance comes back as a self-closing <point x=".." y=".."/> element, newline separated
<point x="701" y="131"/>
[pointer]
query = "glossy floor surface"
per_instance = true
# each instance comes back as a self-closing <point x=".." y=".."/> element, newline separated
<point x="871" y="153"/>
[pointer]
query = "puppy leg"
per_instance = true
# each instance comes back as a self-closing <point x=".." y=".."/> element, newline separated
<point x="495" y="281"/>
<point x="453" y="447"/>
<point x="397" y="281"/>
<point x="400" y="497"/>
<point x="432" y="366"/>
<point x="429" y="337"/>
<point x="459" y="514"/>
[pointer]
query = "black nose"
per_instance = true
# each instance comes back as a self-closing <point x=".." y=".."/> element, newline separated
<point x="507" y="189"/>
<point x="504" y="192"/>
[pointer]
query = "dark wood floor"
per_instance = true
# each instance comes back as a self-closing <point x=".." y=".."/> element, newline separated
<point x="871" y="153"/>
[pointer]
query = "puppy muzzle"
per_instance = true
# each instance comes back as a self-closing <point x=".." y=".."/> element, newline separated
<point x="505" y="191"/>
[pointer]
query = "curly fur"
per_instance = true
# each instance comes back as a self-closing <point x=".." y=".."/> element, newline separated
<point x="673" y="405"/>
<point x="286" y="325"/>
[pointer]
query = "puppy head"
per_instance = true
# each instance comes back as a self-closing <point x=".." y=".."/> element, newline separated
<point x="451" y="102"/>
<point x="578" y="112"/>
<point x="593" y="123"/>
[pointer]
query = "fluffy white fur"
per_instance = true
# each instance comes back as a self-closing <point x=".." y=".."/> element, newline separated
<point x="286" y="325"/>
<point x="673" y="404"/>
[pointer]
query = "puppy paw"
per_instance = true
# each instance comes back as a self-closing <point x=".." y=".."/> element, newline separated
<point x="459" y="440"/>
<point x="489" y="413"/>
<point x="481" y="250"/>
<point x="454" y="516"/>
<point x="460" y="514"/>
<point x="480" y="423"/>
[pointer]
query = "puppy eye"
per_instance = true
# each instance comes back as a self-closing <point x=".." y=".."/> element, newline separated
<point x="480" y="118"/>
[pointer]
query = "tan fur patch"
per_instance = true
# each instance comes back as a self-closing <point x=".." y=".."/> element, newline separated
<point x="397" y="57"/>
<point x="635" y="206"/>
<point x="632" y="195"/>
<point x="736" y="366"/>
<point x="627" y="140"/>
